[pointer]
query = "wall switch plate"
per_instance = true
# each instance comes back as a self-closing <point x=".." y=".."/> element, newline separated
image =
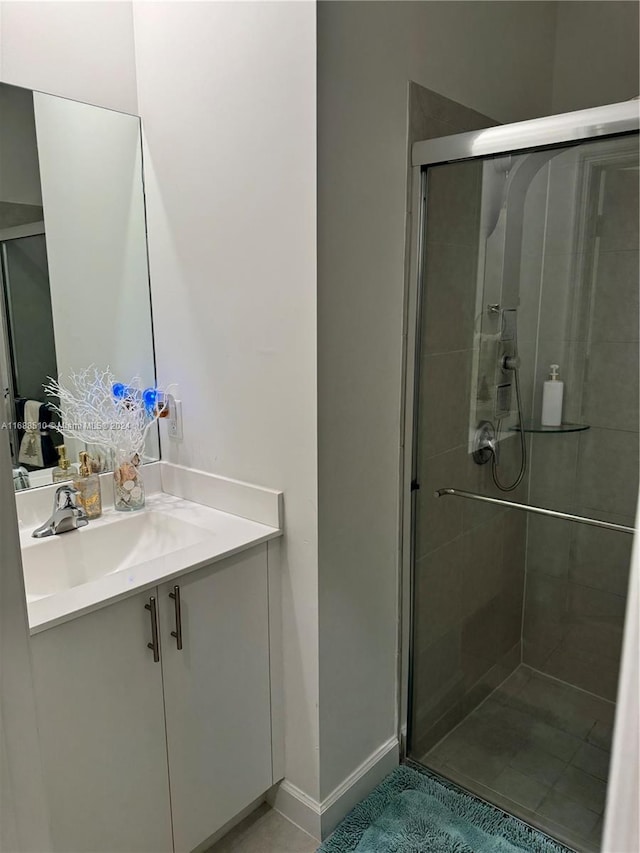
<point x="174" y="421"/>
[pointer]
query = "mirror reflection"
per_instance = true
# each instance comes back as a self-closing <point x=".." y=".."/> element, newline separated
<point x="74" y="277"/>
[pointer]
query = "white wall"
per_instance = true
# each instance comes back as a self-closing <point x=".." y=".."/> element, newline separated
<point x="596" y="54"/>
<point x="227" y="96"/>
<point x="497" y="59"/>
<point x="228" y="101"/>
<point x="81" y="50"/>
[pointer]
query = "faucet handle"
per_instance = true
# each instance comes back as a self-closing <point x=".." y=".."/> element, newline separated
<point x="65" y="498"/>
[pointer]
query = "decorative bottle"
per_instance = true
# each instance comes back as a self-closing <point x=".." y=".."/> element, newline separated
<point x="88" y="484"/>
<point x="65" y="470"/>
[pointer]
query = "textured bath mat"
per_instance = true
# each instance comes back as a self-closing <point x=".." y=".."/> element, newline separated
<point x="413" y="812"/>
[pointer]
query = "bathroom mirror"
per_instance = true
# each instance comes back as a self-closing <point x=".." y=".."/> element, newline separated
<point x="74" y="277"/>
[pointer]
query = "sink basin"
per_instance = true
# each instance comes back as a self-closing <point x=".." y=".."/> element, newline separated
<point x="103" y="548"/>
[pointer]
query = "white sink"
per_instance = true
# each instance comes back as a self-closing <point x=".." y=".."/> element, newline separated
<point x="104" y="547"/>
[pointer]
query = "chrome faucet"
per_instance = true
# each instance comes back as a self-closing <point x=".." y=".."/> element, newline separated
<point x="67" y="515"/>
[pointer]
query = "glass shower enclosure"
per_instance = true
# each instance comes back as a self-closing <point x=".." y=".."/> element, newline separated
<point x="522" y="521"/>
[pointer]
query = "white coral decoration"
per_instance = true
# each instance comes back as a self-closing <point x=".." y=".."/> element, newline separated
<point x="90" y="411"/>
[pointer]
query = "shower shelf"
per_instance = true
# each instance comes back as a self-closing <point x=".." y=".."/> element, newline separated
<point x="535" y="426"/>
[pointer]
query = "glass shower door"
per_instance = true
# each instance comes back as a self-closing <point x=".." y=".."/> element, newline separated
<point x="529" y="260"/>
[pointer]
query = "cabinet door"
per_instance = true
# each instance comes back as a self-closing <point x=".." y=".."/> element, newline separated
<point x="102" y="730"/>
<point x="217" y="697"/>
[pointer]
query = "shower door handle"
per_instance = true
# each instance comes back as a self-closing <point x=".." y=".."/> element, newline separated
<point x="536" y="510"/>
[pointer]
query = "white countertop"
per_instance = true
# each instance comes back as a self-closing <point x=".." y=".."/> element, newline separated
<point x="211" y="535"/>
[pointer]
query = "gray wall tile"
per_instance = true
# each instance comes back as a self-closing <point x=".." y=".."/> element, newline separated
<point x="601" y="559"/>
<point x="611" y="393"/>
<point x="448" y="301"/>
<point x="608" y="471"/>
<point x="438" y="591"/>
<point x="592" y="673"/>
<point x="444" y="400"/>
<point x="554" y="459"/>
<point x="438" y="520"/>
<point x="619" y="230"/>
<point x="453" y="203"/>
<point x="549" y="546"/>
<point x="616" y="308"/>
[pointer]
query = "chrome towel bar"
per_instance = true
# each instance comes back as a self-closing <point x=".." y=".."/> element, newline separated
<point x="538" y="510"/>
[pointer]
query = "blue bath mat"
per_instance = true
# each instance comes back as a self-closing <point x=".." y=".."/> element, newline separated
<point x="413" y="812"/>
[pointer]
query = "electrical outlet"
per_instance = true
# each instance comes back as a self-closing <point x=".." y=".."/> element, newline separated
<point x="174" y="421"/>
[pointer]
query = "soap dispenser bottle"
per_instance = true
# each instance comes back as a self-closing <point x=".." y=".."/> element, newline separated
<point x="88" y="485"/>
<point x="64" y="471"/>
<point x="552" y="393"/>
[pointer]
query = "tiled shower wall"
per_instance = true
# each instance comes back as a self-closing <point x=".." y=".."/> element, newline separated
<point x="470" y="558"/>
<point x="588" y="322"/>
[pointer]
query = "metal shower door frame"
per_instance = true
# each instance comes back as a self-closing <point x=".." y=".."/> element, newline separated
<point x="565" y="129"/>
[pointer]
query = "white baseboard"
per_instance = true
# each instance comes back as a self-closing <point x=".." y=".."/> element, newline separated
<point x="320" y="819"/>
<point x="358" y="785"/>
<point x="297" y="807"/>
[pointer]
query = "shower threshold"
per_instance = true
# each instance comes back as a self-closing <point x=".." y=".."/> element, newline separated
<point x="539" y="749"/>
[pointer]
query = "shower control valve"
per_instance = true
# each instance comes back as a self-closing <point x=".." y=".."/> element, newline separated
<point x="484" y="443"/>
<point x="511" y="362"/>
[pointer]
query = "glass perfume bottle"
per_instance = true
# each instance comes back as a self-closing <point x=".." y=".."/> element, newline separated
<point x="65" y="470"/>
<point x="88" y="484"/>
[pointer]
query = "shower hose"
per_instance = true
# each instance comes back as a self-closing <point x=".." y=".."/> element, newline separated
<point x="523" y="445"/>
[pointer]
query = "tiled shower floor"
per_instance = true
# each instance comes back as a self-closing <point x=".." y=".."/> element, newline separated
<point x="537" y="748"/>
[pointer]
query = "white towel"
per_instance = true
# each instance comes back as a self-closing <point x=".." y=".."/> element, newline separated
<point x="31" y="444"/>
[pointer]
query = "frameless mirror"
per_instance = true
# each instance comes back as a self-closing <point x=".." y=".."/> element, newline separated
<point x="74" y="277"/>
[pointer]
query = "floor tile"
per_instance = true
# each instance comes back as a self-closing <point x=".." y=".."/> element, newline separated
<point x="601" y="735"/>
<point x="558" y="705"/>
<point x="555" y="741"/>
<point x="574" y="816"/>
<point x="537" y="748"/>
<point x="540" y="765"/>
<point x="525" y="790"/>
<point x="583" y="788"/>
<point x="592" y="760"/>
<point x="492" y="732"/>
<point x="562" y="834"/>
<point x="490" y="795"/>
<point x="479" y="763"/>
<point x="265" y="831"/>
<point x="444" y="750"/>
<point x="595" y="836"/>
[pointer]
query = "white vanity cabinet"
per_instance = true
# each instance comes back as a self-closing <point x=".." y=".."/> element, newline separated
<point x="120" y="730"/>
<point x="102" y="732"/>
<point x="217" y="694"/>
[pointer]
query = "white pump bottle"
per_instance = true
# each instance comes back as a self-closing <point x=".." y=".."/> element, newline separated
<point x="552" y="393"/>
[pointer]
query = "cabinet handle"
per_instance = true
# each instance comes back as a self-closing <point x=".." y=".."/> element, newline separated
<point x="154" y="644"/>
<point x="175" y="595"/>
